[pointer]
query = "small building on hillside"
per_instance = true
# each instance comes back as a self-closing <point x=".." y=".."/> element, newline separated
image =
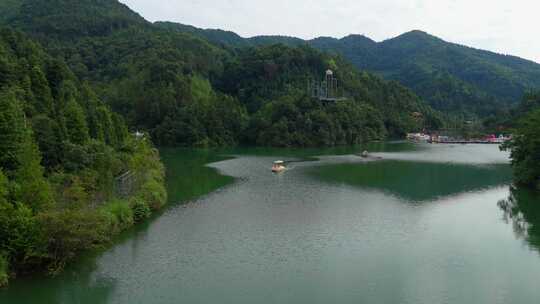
<point x="327" y="90"/>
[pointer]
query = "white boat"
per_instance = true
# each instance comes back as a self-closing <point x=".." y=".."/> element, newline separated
<point x="419" y="137"/>
<point x="278" y="166"/>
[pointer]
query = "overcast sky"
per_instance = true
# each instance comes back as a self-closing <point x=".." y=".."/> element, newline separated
<point x="504" y="26"/>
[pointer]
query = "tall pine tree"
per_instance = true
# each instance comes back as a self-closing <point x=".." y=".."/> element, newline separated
<point x="76" y="126"/>
<point x="32" y="189"/>
<point x="12" y="126"/>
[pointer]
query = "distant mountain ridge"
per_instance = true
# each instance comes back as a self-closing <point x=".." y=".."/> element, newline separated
<point x="62" y="19"/>
<point x="451" y="77"/>
<point x="189" y="90"/>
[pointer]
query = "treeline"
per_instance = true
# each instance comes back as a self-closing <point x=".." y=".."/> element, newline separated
<point x="61" y="148"/>
<point x="218" y="103"/>
<point x="188" y="91"/>
<point x="452" y="78"/>
<point x="263" y="90"/>
<point x="525" y="143"/>
<point x="66" y="106"/>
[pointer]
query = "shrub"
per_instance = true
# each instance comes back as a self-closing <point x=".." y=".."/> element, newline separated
<point x="20" y="236"/>
<point x="69" y="232"/>
<point x="119" y="214"/>
<point x="140" y="209"/>
<point x="154" y="194"/>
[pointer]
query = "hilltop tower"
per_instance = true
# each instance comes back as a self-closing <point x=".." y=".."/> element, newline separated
<point x="326" y="90"/>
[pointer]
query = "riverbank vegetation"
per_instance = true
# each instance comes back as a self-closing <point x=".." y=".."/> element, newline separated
<point x="525" y="143"/>
<point x="74" y="83"/>
<point x="61" y="151"/>
<point x="71" y="88"/>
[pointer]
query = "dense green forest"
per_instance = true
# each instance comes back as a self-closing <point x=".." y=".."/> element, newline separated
<point x="525" y="143"/>
<point x="450" y="77"/>
<point x="185" y="90"/>
<point x="80" y="79"/>
<point x="9" y="9"/>
<point x="61" y="149"/>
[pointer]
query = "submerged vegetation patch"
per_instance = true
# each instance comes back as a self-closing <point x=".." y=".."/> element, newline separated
<point x="415" y="182"/>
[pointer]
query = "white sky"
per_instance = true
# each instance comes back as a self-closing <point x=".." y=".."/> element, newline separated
<point x="504" y="26"/>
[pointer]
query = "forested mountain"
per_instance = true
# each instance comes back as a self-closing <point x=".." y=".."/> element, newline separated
<point x="9" y="8"/>
<point x="189" y="91"/>
<point x="63" y="19"/>
<point x="449" y="76"/>
<point x="228" y="38"/>
<point x="271" y="82"/>
<point x="79" y="77"/>
<point x="61" y="151"/>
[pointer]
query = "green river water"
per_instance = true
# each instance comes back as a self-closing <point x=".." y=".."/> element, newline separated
<point x="425" y="224"/>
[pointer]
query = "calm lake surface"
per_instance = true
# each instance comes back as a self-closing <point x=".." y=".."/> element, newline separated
<point x="426" y="224"/>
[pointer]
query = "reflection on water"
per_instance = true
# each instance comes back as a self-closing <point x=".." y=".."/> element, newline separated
<point x="522" y="210"/>
<point x="77" y="284"/>
<point x="416" y="181"/>
<point x="187" y="177"/>
<point x="311" y="153"/>
<point x="308" y="237"/>
<point x="458" y="154"/>
<point x="83" y="282"/>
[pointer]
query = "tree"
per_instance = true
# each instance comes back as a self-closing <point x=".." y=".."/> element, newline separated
<point x="47" y="135"/>
<point x="32" y="189"/>
<point x="60" y="149"/>
<point x="12" y="130"/>
<point x="67" y="233"/>
<point x="3" y="188"/>
<point x="77" y="128"/>
<point x="525" y="150"/>
<point x="42" y="92"/>
<point x="91" y="104"/>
